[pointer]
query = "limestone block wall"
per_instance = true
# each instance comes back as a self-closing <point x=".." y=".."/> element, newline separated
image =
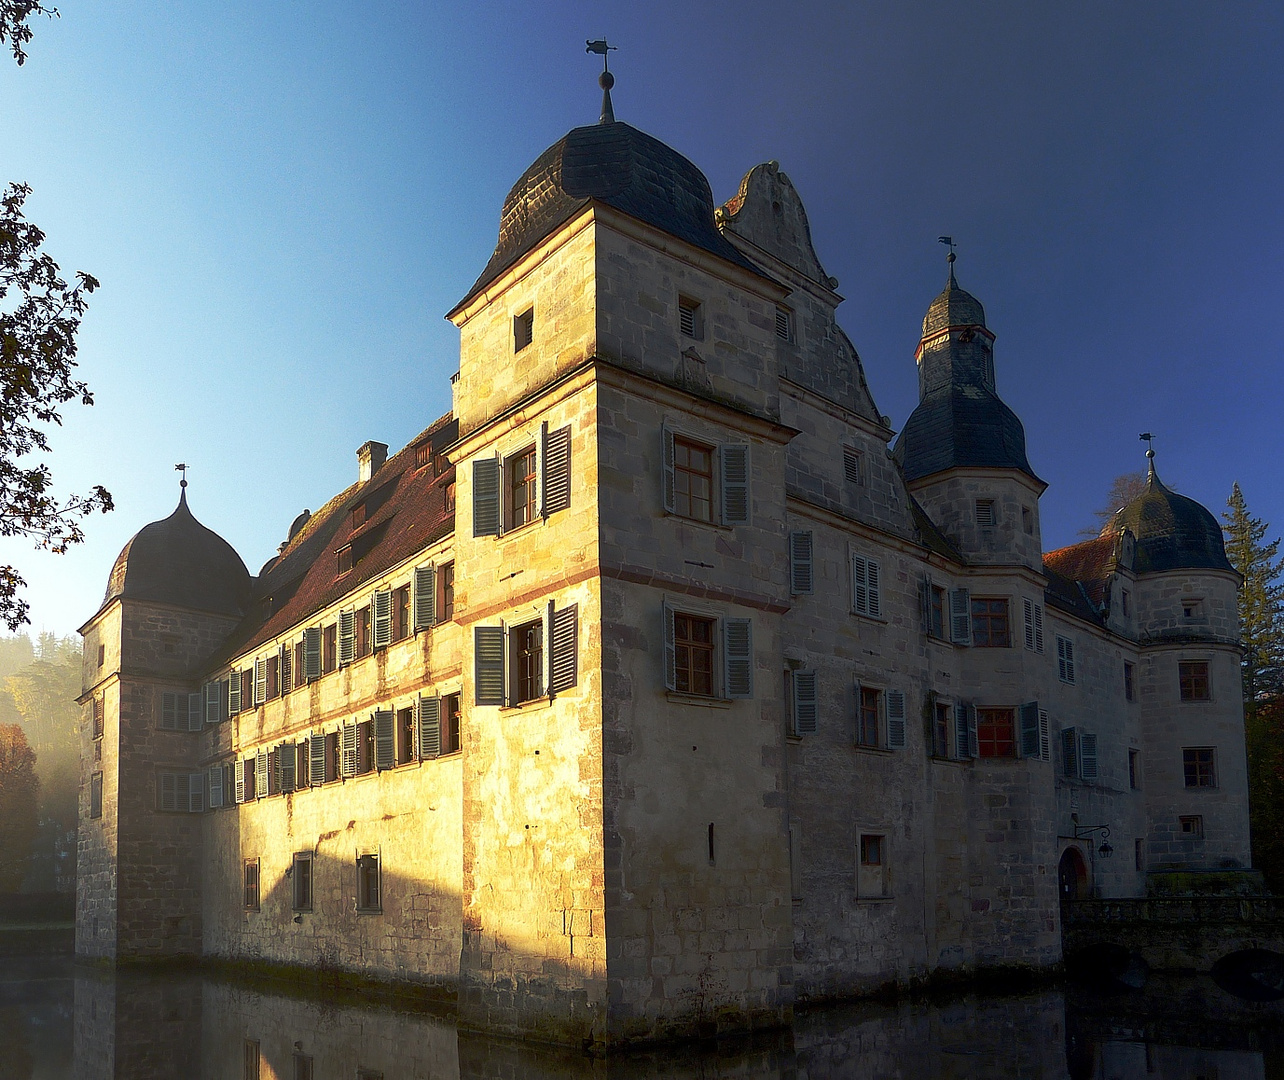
<point x="534" y="948"/>
<point x="950" y="501"/>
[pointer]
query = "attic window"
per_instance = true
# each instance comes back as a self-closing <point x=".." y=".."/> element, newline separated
<point x="985" y="513"/>
<point x="358" y="515"/>
<point x="689" y="317"/>
<point x="345" y="559"/>
<point x="784" y="325"/>
<point x="423" y="454"/>
<point x="852" y="465"/>
<point x="523" y="329"/>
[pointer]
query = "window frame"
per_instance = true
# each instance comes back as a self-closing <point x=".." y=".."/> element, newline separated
<point x="873" y="850"/>
<point x="1130" y="681"/>
<point x="251" y="882"/>
<point x="446" y="592"/>
<point x="528" y="512"/>
<point x="683" y="471"/>
<point x="526" y="661"/>
<point x="297" y="876"/>
<point x="96" y="794"/>
<point x="523" y="329"/>
<point x="1065" y="660"/>
<point x="1190" y="683"/>
<point x="989" y="617"/>
<point x="1190" y="826"/>
<point x="690" y="318"/>
<point x="995" y="718"/>
<point x="451" y="723"/>
<point x="986" y="509"/>
<point x="364" y="862"/>
<point x="733" y="651"/>
<point x="869" y="709"/>
<point x="1203" y="770"/>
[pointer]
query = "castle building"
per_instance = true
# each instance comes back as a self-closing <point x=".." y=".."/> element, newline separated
<point x="653" y="689"/>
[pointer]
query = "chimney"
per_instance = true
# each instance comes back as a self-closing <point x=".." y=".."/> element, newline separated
<point x="370" y="459"/>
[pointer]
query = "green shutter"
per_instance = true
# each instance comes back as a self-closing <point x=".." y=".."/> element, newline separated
<point x="385" y="739"/>
<point x="486" y="496"/>
<point x="488" y="646"/>
<point x="425" y="597"/>
<point x="428" y="719"/>
<point x="737" y="655"/>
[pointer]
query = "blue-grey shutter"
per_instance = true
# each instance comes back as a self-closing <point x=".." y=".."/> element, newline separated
<point x="1045" y="743"/>
<point x="212" y="699"/>
<point x="737" y="655"/>
<point x="381" y="610"/>
<point x="385" y="739"/>
<point x="348" y="750"/>
<point x="286" y="756"/>
<point x="1029" y="714"/>
<point x="666" y="479"/>
<point x="1033" y="624"/>
<point x="801" y="581"/>
<point x="1065" y="659"/>
<point x="874" y="577"/>
<point x="555" y="470"/>
<point x="564" y="645"/>
<point x="925" y="605"/>
<point x="896" y="731"/>
<point x="735" y="483"/>
<point x="234" y="693"/>
<point x="285" y="670"/>
<point x="1088" y="756"/>
<point x="195" y="713"/>
<point x="316" y="760"/>
<point x="347" y="637"/>
<point x="486" y="496"/>
<point x="425" y="597"/>
<point x="196" y="792"/>
<point x="428" y="718"/>
<point x="168" y="799"/>
<point x="806" y="704"/>
<point x="960" y="617"/>
<point x="169" y="711"/>
<point x="860" y="585"/>
<point x="488" y="667"/>
<point x="1070" y="752"/>
<point x="963" y="745"/>
<point x="312" y="652"/>
<point x="261" y="774"/>
<point x="670" y="649"/>
<point x="216" y="786"/>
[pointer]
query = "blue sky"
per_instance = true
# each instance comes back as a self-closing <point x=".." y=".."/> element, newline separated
<point x="283" y="199"/>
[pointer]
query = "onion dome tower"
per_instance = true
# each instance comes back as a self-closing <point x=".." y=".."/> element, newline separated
<point x="174" y="595"/>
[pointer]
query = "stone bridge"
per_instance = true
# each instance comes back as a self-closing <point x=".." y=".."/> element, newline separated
<point x="1175" y="933"/>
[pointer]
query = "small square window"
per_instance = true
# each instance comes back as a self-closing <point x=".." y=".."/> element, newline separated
<point x="1191" y="825"/>
<point x="985" y="513"/>
<point x="448" y="498"/>
<point x="344" y="560"/>
<point x="853" y="466"/>
<point x="369" y="898"/>
<point x="689" y="320"/>
<point x="301" y="881"/>
<point x="1199" y="763"/>
<point x="251" y="898"/>
<point x="1192" y="677"/>
<point x="102" y="655"/>
<point x="358" y="515"/>
<point x="1130" y="683"/>
<point x="523" y="329"/>
<point x="423" y="454"/>
<point x="1192" y="609"/>
<point x="784" y="324"/>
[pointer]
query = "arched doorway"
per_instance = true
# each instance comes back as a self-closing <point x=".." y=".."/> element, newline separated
<point x="1072" y="875"/>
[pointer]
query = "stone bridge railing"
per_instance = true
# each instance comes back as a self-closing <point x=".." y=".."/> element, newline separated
<point x="1177" y="933"/>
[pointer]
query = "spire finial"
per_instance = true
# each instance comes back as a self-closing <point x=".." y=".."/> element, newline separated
<point x="606" y="80"/>
<point x="1149" y="440"/>
<point x="182" y="467"/>
<point x="948" y="241"/>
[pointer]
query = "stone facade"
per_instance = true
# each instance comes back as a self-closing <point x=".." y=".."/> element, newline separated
<point x="746" y="718"/>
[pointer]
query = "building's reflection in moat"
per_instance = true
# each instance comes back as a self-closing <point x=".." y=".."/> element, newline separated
<point x="141" y="1025"/>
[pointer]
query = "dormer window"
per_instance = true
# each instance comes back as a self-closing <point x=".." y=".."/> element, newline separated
<point x="345" y="559"/>
<point x="423" y="454"/>
<point x="523" y="329"/>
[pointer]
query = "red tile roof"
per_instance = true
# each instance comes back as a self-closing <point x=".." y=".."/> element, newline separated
<point x="1089" y="564"/>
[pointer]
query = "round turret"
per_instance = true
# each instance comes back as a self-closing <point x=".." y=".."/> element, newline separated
<point x="179" y="561"/>
<point x="1173" y="532"/>
<point x="954" y="307"/>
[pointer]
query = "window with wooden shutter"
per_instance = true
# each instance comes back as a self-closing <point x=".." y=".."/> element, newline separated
<point x="737" y="654"/>
<point x="247" y="689"/>
<point x="964" y="730"/>
<point x="488" y="657"/>
<point x="1088" y="756"/>
<point x="260" y="681"/>
<point x="564" y="649"/>
<point x="1065" y="659"/>
<point x="668" y="496"/>
<point x="347" y="637"/>
<point x="238" y="781"/>
<point x="195" y="713"/>
<point x="735" y="483"/>
<point x="169" y="711"/>
<point x="348" y="750"/>
<point x="196" y="792"/>
<point x="1028" y="718"/>
<point x="486" y="516"/>
<point x="896" y="726"/>
<point x="670" y="648"/>
<point x="216" y="786"/>
<point x="261" y="774"/>
<point x="806" y="703"/>
<point x="1045" y="741"/>
<point x="1033" y="624"/>
<point x="784" y="325"/>
<point x="212" y="699"/>
<point x="285" y="664"/>
<point x="555" y="469"/>
<point x="382" y="608"/>
<point x="234" y="693"/>
<point x="425" y="597"/>
<point x="866" y="587"/>
<point x="428" y="724"/>
<point x="385" y="739"/>
<point x="317" y="760"/>
<point x="801" y="582"/>
<point x="312" y="653"/>
<point x="689" y="321"/>
<point x="960" y="617"/>
<point x="302" y="765"/>
<point x="1070" y="753"/>
<point x="853" y="466"/>
<point x="286" y="757"/>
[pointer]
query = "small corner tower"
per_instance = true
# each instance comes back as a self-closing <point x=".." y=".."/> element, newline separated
<point x="174" y="594"/>
<point x="963" y="449"/>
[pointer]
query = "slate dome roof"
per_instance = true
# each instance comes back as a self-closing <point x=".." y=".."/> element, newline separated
<point x="954" y="307"/>
<point x="961" y="426"/>
<point x="1173" y="532"/>
<point x="620" y="166"/>
<point x="179" y="561"/>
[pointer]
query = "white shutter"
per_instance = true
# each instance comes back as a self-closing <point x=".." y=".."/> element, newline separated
<point x="1027" y="607"/>
<point x="486" y="472"/>
<point x="925" y="605"/>
<point x="1038" y="628"/>
<point x="737" y="655"/>
<point x="801" y="580"/>
<point x="196" y="793"/>
<point x="260" y="680"/>
<point x="972" y="744"/>
<point x="960" y="617"/>
<point x="488" y="665"/>
<point x="564" y="646"/>
<point x="213" y="699"/>
<point x="1088" y="756"/>
<point x="169" y="711"/>
<point x="216" y="786"/>
<point x="385" y="740"/>
<point x="234" y="693"/>
<point x="238" y="781"/>
<point x="261" y="774"/>
<point x="666" y="479"/>
<point x="428" y="718"/>
<point x="425" y="597"/>
<point x="806" y="703"/>
<point x="312" y="652"/>
<point x="168" y="797"/>
<point x="555" y="470"/>
<point x="735" y="483"/>
<point x="670" y="649"/>
<point x="1029" y="723"/>
<point x="348" y="750"/>
<point x="381" y="609"/>
<point x="896" y="734"/>
<point x="347" y="637"/>
<point x="285" y="670"/>
<point x="195" y="713"/>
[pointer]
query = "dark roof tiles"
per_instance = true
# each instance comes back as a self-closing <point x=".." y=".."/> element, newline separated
<point x="961" y="426"/>
<point x="1173" y="532"/>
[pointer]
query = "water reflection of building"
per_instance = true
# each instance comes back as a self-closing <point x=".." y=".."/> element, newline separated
<point x="717" y="701"/>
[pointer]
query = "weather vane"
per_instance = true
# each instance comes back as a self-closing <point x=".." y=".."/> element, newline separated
<point x="1149" y="440"/>
<point x="182" y="467"/>
<point x="948" y="241"/>
<point x="606" y="80"/>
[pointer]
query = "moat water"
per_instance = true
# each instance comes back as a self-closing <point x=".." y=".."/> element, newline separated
<point x="59" y="1020"/>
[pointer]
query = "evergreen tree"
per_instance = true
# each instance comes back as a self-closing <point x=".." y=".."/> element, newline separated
<point x="19" y="794"/>
<point x="1261" y="601"/>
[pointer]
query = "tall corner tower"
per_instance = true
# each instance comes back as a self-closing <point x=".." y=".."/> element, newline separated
<point x="174" y="594"/>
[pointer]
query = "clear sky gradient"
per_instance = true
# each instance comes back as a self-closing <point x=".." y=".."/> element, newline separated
<point x="283" y="199"/>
